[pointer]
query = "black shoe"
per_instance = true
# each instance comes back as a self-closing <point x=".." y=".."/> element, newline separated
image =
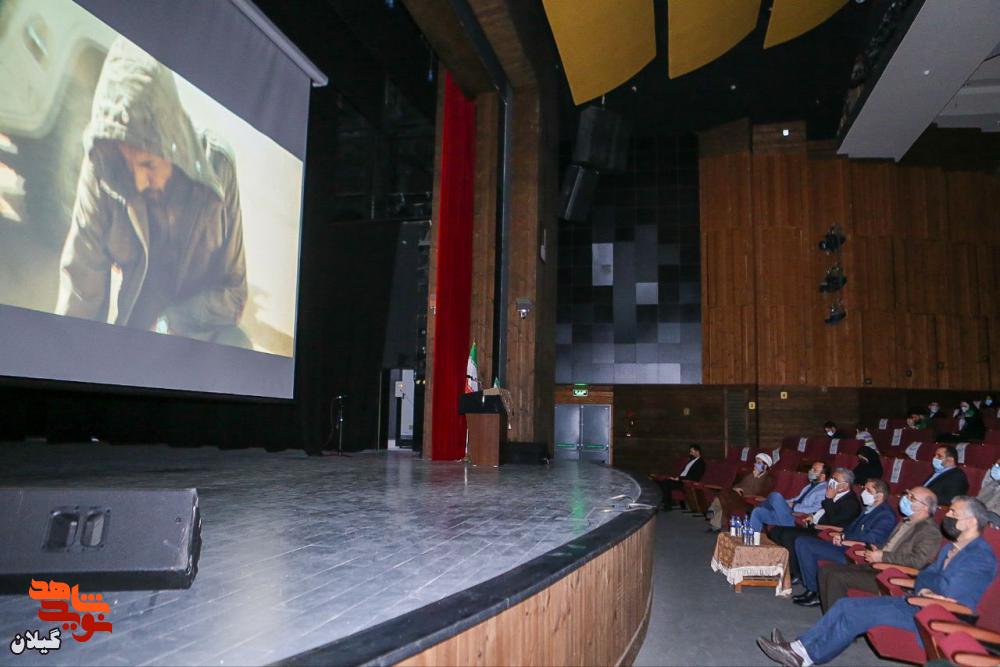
<point x="807" y="599"/>
<point x="781" y="653"/>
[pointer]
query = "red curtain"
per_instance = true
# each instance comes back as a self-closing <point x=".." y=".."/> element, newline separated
<point x="454" y="272"/>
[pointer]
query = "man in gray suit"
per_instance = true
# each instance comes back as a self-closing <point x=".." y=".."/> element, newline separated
<point x="914" y="543"/>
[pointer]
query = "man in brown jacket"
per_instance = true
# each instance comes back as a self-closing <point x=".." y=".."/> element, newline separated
<point x="156" y="239"/>
<point x="914" y="543"/>
<point x="758" y="482"/>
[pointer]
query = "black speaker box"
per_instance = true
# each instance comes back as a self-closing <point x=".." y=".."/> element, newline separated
<point x="602" y="140"/>
<point x="101" y="539"/>
<point x="577" y="193"/>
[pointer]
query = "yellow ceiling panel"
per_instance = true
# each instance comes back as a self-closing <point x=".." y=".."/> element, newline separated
<point x="791" y="18"/>
<point x="601" y="42"/>
<point x="699" y="31"/>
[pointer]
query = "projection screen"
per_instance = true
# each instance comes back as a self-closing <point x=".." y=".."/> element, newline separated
<point x="151" y="174"/>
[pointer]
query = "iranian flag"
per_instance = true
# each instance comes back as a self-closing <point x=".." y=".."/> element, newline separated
<point x="472" y="371"/>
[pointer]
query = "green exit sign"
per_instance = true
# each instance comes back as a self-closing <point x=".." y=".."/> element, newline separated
<point x="580" y="390"/>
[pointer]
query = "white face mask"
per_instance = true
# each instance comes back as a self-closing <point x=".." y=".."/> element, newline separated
<point x="832" y="483"/>
<point x="995" y="472"/>
<point x="830" y="432"/>
<point x="867" y="498"/>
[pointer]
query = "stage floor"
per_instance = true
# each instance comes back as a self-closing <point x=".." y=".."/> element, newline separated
<point x="300" y="552"/>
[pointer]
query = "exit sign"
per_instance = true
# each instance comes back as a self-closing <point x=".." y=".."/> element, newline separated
<point x="580" y="390"/>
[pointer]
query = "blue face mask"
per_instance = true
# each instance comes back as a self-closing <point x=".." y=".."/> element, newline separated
<point x="995" y="472"/>
<point x="938" y="464"/>
<point x="905" y="506"/>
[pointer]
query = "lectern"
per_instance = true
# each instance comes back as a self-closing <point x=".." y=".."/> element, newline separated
<point x="487" y="421"/>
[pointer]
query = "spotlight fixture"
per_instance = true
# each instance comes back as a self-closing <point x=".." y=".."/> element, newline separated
<point x="833" y="240"/>
<point x="837" y="313"/>
<point x="834" y="280"/>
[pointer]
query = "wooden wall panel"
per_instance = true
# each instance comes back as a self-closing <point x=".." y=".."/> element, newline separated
<point x="834" y="354"/>
<point x="916" y="351"/>
<point x="967" y="199"/>
<point x="781" y="345"/>
<point x="661" y="430"/>
<point x="948" y="332"/>
<point x="803" y="412"/>
<point x="871" y="282"/>
<point x="873" y="188"/>
<point x="592" y="616"/>
<point x="921" y="204"/>
<point x="993" y="349"/>
<point x="878" y="345"/>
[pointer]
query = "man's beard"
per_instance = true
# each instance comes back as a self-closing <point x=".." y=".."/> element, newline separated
<point x="154" y="196"/>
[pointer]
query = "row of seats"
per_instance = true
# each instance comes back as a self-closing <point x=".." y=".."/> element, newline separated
<point x="975" y="454"/>
<point x="942" y="424"/>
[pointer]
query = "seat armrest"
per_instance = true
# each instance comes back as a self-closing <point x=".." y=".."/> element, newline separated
<point x="714" y="487"/>
<point x="973" y="660"/>
<point x="827" y="527"/>
<point x="953" y="607"/>
<point x="852" y="543"/>
<point x="979" y="634"/>
<point x="912" y="571"/>
<point x="903" y="582"/>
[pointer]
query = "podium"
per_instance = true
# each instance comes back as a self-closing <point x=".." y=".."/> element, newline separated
<point x="486" y="418"/>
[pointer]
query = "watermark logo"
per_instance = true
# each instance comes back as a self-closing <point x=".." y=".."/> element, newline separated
<point x="34" y="641"/>
<point x="89" y="612"/>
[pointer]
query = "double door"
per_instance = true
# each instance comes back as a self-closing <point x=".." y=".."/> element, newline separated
<point x="583" y="432"/>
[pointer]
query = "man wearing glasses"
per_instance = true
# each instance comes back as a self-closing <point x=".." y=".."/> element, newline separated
<point x="913" y="543"/>
<point x="961" y="573"/>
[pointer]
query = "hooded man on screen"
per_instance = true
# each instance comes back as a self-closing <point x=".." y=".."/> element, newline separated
<point x="157" y="204"/>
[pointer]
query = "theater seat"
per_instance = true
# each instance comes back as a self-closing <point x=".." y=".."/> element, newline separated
<point x="718" y="475"/>
<point x="963" y="650"/>
<point x="981" y="456"/>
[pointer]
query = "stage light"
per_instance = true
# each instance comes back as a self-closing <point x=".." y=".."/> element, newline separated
<point x="837" y="313"/>
<point x="833" y="240"/>
<point x="834" y="280"/>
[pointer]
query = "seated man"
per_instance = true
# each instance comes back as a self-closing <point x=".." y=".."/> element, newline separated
<point x="873" y="526"/>
<point x="934" y="411"/>
<point x="961" y="573"/>
<point x="917" y="419"/>
<point x="839" y="508"/>
<point x="692" y="472"/>
<point x="777" y="511"/>
<point x="948" y="480"/>
<point x="913" y="543"/>
<point x="730" y="501"/>
<point x="989" y="493"/>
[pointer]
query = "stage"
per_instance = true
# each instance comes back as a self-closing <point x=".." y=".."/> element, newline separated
<point x="335" y="560"/>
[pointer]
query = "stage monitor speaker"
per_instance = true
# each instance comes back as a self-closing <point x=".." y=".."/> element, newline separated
<point x="101" y="539"/>
<point x="602" y="140"/>
<point x="577" y="193"/>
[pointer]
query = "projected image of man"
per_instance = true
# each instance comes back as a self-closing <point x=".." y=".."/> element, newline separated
<point x="156" y="240"/>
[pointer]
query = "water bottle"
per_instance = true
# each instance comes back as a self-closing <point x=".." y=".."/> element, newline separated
<point x="733" y="522"/>
<point x="747" y="533"/>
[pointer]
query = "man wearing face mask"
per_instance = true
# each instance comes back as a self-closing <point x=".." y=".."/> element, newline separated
<point x="913" y="543"/>
<point x="777" y="511"/>
<point x="948" y="480"/>
<point x="839" y="508"/>
<point x="730" y="502"/>
<point x="934" y="411"/>
<point x="989" y="493"/>
<point x="692" y="472"/>
<point x="831" y="431"/>
<point x="873" y="526"/>
<point x="961" y="573"/>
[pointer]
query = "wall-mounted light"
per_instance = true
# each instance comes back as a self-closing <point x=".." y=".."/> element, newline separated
<point x="832" y="240"/>
<point x="834" y="280"/>
<point x="523" y="307"/>
<point x="836" y="313"/>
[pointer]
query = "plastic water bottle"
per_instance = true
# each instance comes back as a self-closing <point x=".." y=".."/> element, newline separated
<point x="733" y="523"/>
<point x="747" y="533"/>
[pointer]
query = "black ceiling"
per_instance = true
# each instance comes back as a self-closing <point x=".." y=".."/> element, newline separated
<point x="805" y="78"/>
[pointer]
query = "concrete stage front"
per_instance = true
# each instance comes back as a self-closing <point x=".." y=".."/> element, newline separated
<point x="377" y="558"/>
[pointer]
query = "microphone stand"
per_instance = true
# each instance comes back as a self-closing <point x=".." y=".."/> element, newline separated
<point x="340" y="426"/>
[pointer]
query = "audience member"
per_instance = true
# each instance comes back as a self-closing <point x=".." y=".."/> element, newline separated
<point x="913" y="543"/>
<point x="917" y="419"/>
<point x="839" y="508"/>
<point x="873" y="526"/>
<point x="758" y="482"/>
<point x="862" y="433"/>
<point x="970" y="425"/>
<point x="831" y="431"/>
<point x="961" y="573"/>
<point x="948" y="480"/>
<point x="777" y="511"/>
<point x="869" y="463"/>
<point x="989" y="493"/>
<point x="692" y="472"/>
<point x="934" y="411"/>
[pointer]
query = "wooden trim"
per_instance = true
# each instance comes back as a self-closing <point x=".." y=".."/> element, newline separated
<point x="596" y="614"/>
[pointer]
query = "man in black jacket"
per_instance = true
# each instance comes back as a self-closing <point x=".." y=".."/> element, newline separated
<point x="948" y="479"/>
<point x="692" y="472"/>
<point x="839" y="508"/>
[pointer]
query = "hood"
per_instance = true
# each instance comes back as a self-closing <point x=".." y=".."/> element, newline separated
<point x="136" y="102"/>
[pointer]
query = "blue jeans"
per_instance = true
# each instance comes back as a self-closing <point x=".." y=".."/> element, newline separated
<point x="809" y="551"/>
<point x="774" y="511"/>
<point x="851" y="617"/>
